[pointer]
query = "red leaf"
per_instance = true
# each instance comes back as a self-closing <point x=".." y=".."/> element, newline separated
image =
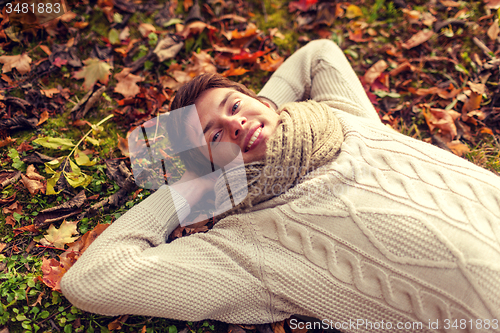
<point x="302" y="5"/>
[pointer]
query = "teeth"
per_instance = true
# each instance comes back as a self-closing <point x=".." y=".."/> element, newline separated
<point x="254" y="137"/>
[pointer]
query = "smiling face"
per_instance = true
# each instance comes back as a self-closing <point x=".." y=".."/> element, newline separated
<point x="229" y="116"/>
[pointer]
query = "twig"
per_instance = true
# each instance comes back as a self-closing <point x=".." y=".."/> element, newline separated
<point x="424" y="59"/>
<point x="483" y="47"/>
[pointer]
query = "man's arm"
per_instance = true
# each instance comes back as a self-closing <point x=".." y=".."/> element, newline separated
<point x="319" y="71"/>
<point x="130" y="269"/>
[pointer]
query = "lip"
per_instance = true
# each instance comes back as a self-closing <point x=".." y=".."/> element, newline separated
<point x="249" y="136"/>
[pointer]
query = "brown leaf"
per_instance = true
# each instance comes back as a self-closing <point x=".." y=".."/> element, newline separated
<point x="60" y="212"/>
<point x="473" y="103"/>
<point x="250" y="31"/>
<point x="24" y="147"/>
<point x="405" y="66"/>
<point x="45" y="49"/>
<point x="492" y="4"/>
<point x="8" y="199"/>
<point x="187" y="4"/>
<point x="195" y="28"/>
<point x="43" y="117"/>
<point x="50" y="92"/>
<point x="123" y="145"/>
<point x="93" y="71"/>
<point x="118" y="322"/>
<point x="146" y="28"/>
<point x="2" y="247"/>
<point x="417" y="39"/>
<point x="21" y="62"/>
<point x="30" y="228"/>
<point x="458" y="148"/>
<point x="449" y="3"/>
<point x="33" y="186"/>
<point x="442" y="119"/>
<point x="127" y="83"/>
<point x="13" y="208"/>
<point x="10" y="221"/>
<point x="7" y="141"/>
<point x="167" y="48"/>
<point x="494" y="30"/>
<point x="374" y="72"/>
<point x="39" y="299"/>
<point x="278" y="327"/>
<point x="31" y="173"/>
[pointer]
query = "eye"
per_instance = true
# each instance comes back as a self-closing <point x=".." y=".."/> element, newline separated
<point x="216" y="135"/>
<point x="235" y="107"/>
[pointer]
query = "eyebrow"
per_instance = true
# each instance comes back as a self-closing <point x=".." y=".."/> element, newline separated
<point x="221" y="105"/>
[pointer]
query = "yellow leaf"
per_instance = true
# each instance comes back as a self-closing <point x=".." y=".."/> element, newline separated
<point x="93" y="71"/>
<point x="61" y="236"/>
<point x="52" y="182"/>
<point x="83" y="159"/>
<point x="353" y="11"/>
<point x="76" y="180"/>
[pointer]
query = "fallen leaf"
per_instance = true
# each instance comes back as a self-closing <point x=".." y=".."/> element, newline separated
<point x="45" y="49"/>
<point x="59" y="237"/>
<point x="167" y="48"/>
<point x="31" y="173"/>
<point x="492" y="4"/>
<point x="30" y="228"/>
<point x="13" y="208"/>
<point x="250" y="31"/>
<point x="442" y="119"/>
<point x="52" y="273"/>
<point x="494" y="30"/>
<point x="69" y="208"/>
<point x="271" y="63"/>
<point x="449" y="3"/>
<point x="417" y="39"/>
<point x="302" y="5"/>
<point x="374" y="72"/>
<point x="93" y="71"/>
<point x="33" y="186"/>
<point x="21" y="62"/>
<point x="7" y="141"/>
<point x="50" y="92"/>
<point x="55" y="143"/>
<point x="123" y="145"/>
<point x="458" y="148"/>
<point x="118" y="322"/>
<point x="82" y="159"/>
<point x="405" y="66"/>
<point x="145" y="29"/>
<point x="353" y="11"/>
<point x="43" y="117"/>
<point x="127" y="83"/>
<point x="8" y="199"/>
<point x="2" y="247"/>
<point x="234" y="71"/>
<point x="10" y="220"/>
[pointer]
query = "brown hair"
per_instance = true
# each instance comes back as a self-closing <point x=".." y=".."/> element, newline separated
<point x="193" y="159"/>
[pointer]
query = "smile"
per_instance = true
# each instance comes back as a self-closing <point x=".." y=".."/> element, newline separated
<point x="253" y="138"/>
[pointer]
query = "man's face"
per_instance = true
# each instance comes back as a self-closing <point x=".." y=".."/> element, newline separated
<point x="228" y="116"/>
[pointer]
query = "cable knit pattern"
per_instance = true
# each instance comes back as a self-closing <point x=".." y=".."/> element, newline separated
<point x="392" y="230"/>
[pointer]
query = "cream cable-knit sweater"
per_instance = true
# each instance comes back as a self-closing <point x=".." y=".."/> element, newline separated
<point x="394" y="230"/>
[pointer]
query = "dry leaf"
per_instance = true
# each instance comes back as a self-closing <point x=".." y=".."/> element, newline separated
<point x="123" y="145"/>
<point x="458" y="148"/>
<point x="21" y="62"/>
<point x="2" y="246"/>
<point x="13" y="208"/>
<point x="50" y="92"/>
<point x="31" y="173"/>
<point x="167" y="48"/>
<point x="271" y="63"/>
<point x="30" y="228"/>
<point x="52" y="273"/>
<point x="93" y="71"/>
<point x="43" y="117"/>
<point x="33" y="186"/>
<point x="417" y="39"/>
<point x="59" y="237"/>
<point x="442" y="119"/>
<point x="10" y="220"/>
<point x="7" y="141"/>
<point x="145" y="29"/>
<point x="374" y="72"/>
<point x="127" y="83"/>
<point x="117" y="323"/>
<point x="235" y="71"/>
<point x="449" y="3"/>
<point x="492" y="4"/>
<point x="494" y="30"/>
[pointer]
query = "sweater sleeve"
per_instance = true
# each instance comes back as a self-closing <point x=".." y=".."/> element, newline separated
<point x="130" y="269"/>
<point x="319" y="71"/>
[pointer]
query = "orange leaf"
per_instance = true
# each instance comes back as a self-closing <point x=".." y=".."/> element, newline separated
<point x="473" y="103"/>
<point x="235" y="71"/>
<point x="405" y="66"/>
<point x="43" y="117"/>
<point x="50" y="92"/>
<point x="374" y="72"/>
<point x="250" y="30"/>
<point x="7" y="141"/>
<point x="10" y="221"/>
<point x="15" y="207"/>
<point x="458" y="148"/>
<point x="417" y="39"/>
<point x="271" y="63"/>
<point x="30" y="228"/>
<point x="187" y="4"/>
<point x="444" y="120"/>
<point x="45" y="49"/>
<point x="449" y="3"/>
<point x="52" y="273"/>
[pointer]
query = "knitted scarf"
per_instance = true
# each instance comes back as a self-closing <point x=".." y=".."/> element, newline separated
<point x="308" y="136"/>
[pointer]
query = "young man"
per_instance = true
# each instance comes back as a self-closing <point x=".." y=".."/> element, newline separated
<point x="380" y="231"/>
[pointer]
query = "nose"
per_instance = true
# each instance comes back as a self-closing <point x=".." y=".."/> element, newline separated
<point x="235" y="126"/>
